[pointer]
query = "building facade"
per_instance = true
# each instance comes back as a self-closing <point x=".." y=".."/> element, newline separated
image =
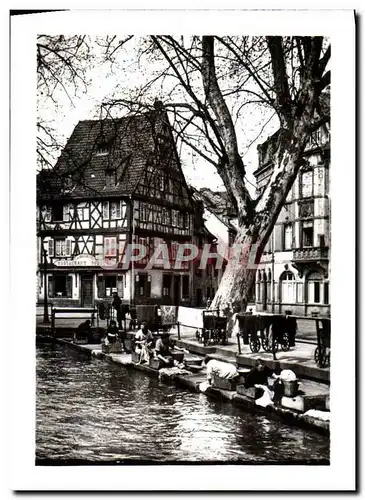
<point x="294" y="272"/>
<point x="116" y="182"/>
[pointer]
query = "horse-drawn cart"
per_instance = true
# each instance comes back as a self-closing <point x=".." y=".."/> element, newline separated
<point x="322" y="353"/>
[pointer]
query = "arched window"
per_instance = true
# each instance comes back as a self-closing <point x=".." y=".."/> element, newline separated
<point x="315" y="289"/>
<point x="287" y="286"/>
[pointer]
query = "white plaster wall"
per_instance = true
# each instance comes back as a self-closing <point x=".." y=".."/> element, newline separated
<point x="216" y="227"/>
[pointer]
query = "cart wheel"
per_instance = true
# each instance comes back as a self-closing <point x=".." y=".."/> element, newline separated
<point x="274" y="345"/>
<point x="325" y="358"/>
<point x="285" y="344"/>
<point x="320" y="356"/>
<point x="255" y="345"/>
<point x="266" y="344"/>
<point x="316" y="355"/>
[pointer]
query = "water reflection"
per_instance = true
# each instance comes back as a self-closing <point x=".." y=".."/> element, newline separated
<point x="92" y="410"/>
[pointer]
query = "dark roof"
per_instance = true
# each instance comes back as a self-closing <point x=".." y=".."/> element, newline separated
<point x="132" y="142"/>
<point x="218" y="203"/>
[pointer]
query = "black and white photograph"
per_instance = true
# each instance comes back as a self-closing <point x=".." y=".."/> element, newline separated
<point x="185" y="196"/>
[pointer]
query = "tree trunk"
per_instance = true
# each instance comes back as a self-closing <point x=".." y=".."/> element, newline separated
<point x="239" y="274"/>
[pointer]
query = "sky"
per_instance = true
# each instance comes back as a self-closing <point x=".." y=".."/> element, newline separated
<point x="120" y="80"/>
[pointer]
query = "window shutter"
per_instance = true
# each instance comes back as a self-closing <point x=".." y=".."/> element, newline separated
<point x="120" y="285"/>
<point x="101" y="287"/>
<point x="118" y="209"/>
<point x="106" y="210"/>
<point x="66" y="213"/>
<point x="278" y="237"/>
<point x="50" y="247"/>
<point x="69" y="287"/>
<point x="106" y="246"/>
<point x="68" y="248"/>
<point x="50" y="286"/>
<point x="113" y="243"/>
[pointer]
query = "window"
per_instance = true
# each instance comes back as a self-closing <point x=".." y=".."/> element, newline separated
<point x="288" y="236"/>
<point x="326" y="292"/>
<point x="106" y="210"/>
<point x="143" y="212"/>
<point x="176" y="218"/>
<point x="60" y="285"/>
<point x="57" y="213"/>
<point x="186" y="286"/>
<point x="143" y="285"/>
<point x="62" y="248"/>
<point x="288" y="285"/>
<point x="115" y="210"/>
<point x="316" y="292"/>
<point x="258" y="285"/>
<point x="166" y="216"/>
<point x="166" y="285"/>
<point x="307" y="184"/>
<point x="83" y="213"/>
<point x="110" y="285"/>
<point x="314" y="282"/>
<point x="50" y="247"/>
<point x="102" y="150"/>
<point x="307" y="234"/>
<point x="66" y="213"/>
<point x="110" y="247"/>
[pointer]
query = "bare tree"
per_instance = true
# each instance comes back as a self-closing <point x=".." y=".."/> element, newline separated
<point x="61" y="71"/>
<point x="207" y="85"/>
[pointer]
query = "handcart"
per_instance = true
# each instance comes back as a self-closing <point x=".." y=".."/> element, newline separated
<point x="214" y="327"/>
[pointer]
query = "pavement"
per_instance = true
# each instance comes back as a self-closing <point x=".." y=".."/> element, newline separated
<point x="306" y="328"/>
<point x="299" y="358"/>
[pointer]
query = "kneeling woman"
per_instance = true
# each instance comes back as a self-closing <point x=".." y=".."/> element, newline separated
<point x="162" y="350"/>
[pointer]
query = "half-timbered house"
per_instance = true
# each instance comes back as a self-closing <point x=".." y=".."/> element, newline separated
<point x="115" y="182"/>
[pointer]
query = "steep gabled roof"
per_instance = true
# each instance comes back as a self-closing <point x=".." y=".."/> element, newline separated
<point x="122" y="147"/>
<point x="217" y="203"/>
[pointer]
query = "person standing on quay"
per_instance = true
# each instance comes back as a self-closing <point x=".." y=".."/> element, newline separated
<point x="117" y="306"/>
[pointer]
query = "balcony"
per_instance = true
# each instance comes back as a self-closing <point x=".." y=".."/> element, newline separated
<point x="312" y="254"/>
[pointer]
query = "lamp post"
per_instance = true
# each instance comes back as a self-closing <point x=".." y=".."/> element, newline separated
<point x="45" y="301"/>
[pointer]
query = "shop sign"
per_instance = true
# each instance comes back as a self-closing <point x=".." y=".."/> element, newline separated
<point x="78" y="261"/>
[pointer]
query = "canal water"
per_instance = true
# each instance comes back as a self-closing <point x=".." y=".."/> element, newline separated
<point x="91" y="411"/>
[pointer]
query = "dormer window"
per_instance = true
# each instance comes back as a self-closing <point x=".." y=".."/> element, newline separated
<point x="102" y="149"/>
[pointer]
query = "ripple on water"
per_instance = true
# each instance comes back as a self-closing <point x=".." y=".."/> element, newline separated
<point x="90" y="410"/>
